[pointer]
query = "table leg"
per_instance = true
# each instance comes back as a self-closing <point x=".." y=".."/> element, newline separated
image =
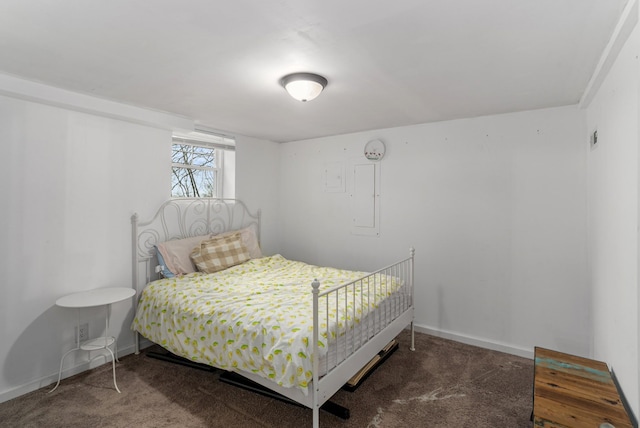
<point x="114" y="358"/>
<point x="113" y="365"/>
<point x="77" y="348"/>
<point x="60" y="371"/>
<point x="106" y="331"/>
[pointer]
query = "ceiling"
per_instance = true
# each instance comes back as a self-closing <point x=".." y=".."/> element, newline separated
<point x="389" y="63"/>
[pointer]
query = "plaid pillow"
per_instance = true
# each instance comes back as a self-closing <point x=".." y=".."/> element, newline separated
<point x="218" y="253"/>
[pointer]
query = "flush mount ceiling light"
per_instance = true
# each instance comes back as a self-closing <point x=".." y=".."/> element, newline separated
<point x="304" y="86"/>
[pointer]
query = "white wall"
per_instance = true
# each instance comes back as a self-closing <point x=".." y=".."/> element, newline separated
<point x="495" y="207"/>
<point x="613" y="218"/>
<point x="258" y="164"/>
<point x="75" y="168"/>
<point x="70" y="182"/>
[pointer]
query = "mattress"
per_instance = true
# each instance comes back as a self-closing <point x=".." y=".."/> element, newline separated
<point x="257" y="317"/>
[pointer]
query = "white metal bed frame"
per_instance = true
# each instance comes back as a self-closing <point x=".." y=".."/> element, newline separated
<point x="180" y="218"/>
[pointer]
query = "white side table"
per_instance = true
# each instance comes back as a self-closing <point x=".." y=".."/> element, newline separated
<point x="88" y="299"/>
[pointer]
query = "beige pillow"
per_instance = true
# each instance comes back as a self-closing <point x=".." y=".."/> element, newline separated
<point x="176" y="253"/>
<point x="220" y="252"/>
<point x="249" y="239"/>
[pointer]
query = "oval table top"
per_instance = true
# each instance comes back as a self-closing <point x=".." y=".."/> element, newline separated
<point x="97" y="297"/>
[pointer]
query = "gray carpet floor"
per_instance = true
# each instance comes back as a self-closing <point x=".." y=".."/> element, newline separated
<point x="441" y="384"/>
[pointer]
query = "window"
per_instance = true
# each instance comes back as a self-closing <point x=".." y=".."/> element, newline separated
<point x="202" y="165"/>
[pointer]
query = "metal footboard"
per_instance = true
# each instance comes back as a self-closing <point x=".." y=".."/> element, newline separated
<point x="357" y="319"/>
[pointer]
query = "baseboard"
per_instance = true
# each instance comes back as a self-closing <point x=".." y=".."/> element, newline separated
<point x="145" y="343"/>
<point x="51" y="379"/>
<point x="476" y="341"/>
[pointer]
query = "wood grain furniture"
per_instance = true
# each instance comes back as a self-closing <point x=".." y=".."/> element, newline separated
<point x="88" y="299"/>
<point x="571" y="391"/>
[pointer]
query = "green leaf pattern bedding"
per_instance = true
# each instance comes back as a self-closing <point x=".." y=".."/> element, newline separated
<point x="255" y="317"/>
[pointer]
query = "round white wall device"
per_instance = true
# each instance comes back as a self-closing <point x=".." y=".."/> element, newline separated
<point x="374" y="150"/>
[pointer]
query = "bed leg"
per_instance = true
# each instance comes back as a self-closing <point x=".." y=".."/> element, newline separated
<point x="316" y="417"/>
<point x="413" y="339"/>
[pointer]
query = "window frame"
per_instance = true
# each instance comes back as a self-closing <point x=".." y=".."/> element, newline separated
<point x="218" y="148"/>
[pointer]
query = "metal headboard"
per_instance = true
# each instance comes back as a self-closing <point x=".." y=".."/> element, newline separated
<point x="182" y="218"/>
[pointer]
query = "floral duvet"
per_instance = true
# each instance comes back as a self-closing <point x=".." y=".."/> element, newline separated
<point x="255" y="317"/>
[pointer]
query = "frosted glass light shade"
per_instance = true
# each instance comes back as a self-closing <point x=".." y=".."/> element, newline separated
<point x="304" y="90"/>
<point x="304" y="86"/>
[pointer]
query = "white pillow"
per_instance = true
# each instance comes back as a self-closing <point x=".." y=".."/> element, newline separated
<point x="176" y="253"/>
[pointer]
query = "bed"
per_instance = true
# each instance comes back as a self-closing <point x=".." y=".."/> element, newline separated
<point x="299" y="330"/>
